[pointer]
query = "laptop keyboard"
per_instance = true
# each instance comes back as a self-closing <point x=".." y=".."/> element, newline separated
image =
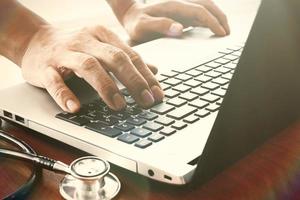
<point x="190" y="95"/>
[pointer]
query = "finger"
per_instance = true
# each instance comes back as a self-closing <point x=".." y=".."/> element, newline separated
<point x="135" y="59"/>
<point x="153" y="69"/>
<point x="92" y="71"/>
<point x="204" y="17"/>
<point x="217" y="12"/>
<point x="157" y="26"/>
<point x="118" y="62"/>
<point x="58" y="90"/>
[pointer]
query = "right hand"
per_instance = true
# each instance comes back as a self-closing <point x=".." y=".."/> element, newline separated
<point x="91" y="53"/>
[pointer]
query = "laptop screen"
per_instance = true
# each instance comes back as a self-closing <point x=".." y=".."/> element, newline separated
<point x="264" y="94"/>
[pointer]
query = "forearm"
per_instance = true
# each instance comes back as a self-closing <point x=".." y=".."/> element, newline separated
<point x="120" y="7"/>
<point x="17" y="26"/>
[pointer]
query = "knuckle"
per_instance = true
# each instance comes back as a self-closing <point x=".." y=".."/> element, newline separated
<point x="89" y="64"/>
<point x="134" y="57"/>
<point x="106" y="87"/>
<point x="119" y="57"/>
<point x="59" y="93"/>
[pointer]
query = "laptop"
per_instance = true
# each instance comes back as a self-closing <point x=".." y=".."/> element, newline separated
<point x="216" y="111"/>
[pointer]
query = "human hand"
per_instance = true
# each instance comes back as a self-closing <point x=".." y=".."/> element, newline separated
<point x="91" y="53"/>
<point x="168" y="18"/>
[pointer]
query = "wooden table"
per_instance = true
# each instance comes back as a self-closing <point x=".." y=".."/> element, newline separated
<point x="270" y="172"/>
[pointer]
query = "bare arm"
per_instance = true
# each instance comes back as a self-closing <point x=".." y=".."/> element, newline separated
<point x="17" y="27"/>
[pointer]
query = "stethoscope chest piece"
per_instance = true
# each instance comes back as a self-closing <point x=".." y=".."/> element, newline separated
<point x="90" y="179"/>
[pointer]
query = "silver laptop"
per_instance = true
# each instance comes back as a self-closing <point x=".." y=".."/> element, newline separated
<point x="168" y="141"/>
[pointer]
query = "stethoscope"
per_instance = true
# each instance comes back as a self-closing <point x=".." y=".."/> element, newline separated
<point x="87" y="178"/>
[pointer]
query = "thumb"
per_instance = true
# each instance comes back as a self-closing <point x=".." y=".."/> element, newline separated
<point x="164" y="26"/>
<point x="62" y="95"/>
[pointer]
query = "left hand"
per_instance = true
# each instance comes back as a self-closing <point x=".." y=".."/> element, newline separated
<point x="169" y="18"/>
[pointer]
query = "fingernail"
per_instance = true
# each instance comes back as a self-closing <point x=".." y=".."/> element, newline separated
<point x="175" y="29"/>
<point x="223" y="32"/>
<point x="157" y="93"/>
<point x="147" y="98"/>
<point x="71" y="105"/>
<point x="119" y="101"/>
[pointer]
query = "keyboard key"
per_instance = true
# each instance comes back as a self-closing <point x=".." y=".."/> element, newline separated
<point x="124" y="126"/>
<point x="235" y="62"/>
<point x="213" y="74"/>
<point x="167" y="131"/>
<point x="203" y="79"/>
<point x="219" y="92"/>
<point x="148" y="115"/>
<point x="198" y="103"/>
<point x="231" y="57"/>
<point x="193" y="72"/>
<point x="210" y="98"/>
<point x="230" y="66"/>
<point x="161" y="78"/>
<point x="203" y="69"/>
<point x="108" y="121"/>
<point x="171" y="93"/>
<point x="222" y="61"/>
<point x="143" y="143"/>
<point x="166" y="121"/>
<point x="165" y="86"/>
<point x="140" y="132"/>
<point x="227" y="76"/>
<point x="188" y="96"/>
<point x="212" y="107"/>
<point x="128" y="138"/>
<point x="183" y="77"/>
<point x="200" y="91"/>
<point x="133" y="110"/>
<point x="220" y="81"/>
<point x="191" y="119"/>
<point x="77" y="120"/>
<point x="178" y="125"/>
<point x="176" y="102"/>
<point x="156" y="137"/>
<point x="172" y="81"/>
<point x="182" y="112"/>
<point x="121" y="115"/>
<point x="225" y="87"/>
<point x="105" y="130"/>
<point x="210" y="86"/>
<point x="181" y="88"/>
<point x="129" y="100"/>
<point x="237" y="53"/>
<point x="162" y="108"/>
<point x="222" y="70"/>
<point x="152" y="126"/>
<point x="136" y="121"/>
<point x="192" y="83"/>
<point x="65" y="115"/>
<point x="202" y="113"/>
<point x="169" y="74"/>
<point x="220" y="102"/>
<point x="125" y="92"/>
<point x="213" y="65"/>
